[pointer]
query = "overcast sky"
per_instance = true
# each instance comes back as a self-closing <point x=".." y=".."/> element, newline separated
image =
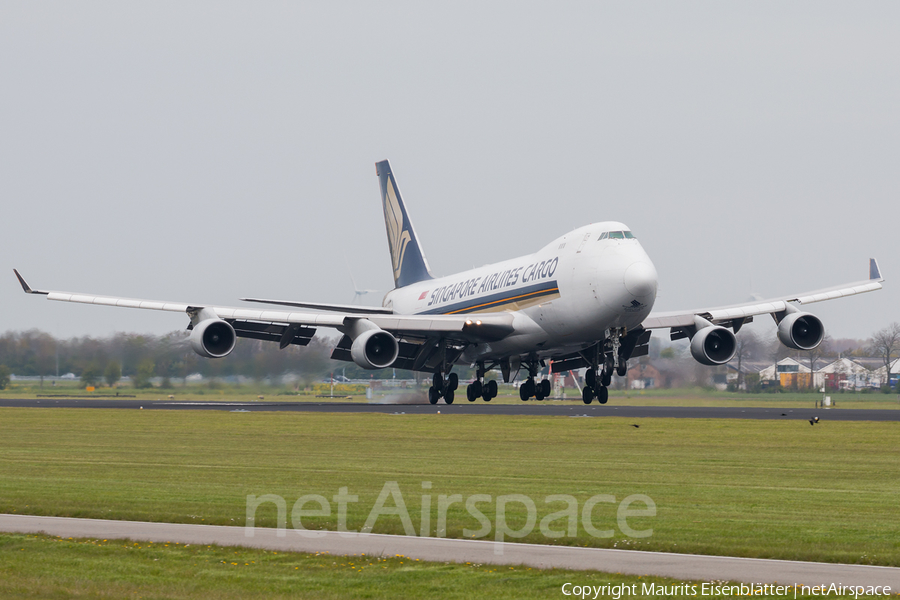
<point x="202" y="152"/>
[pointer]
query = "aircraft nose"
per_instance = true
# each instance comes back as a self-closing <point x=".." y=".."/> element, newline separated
<point x="640" y="279"/>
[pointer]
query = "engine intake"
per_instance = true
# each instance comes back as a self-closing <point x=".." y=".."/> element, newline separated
<point x="374" y="349"/>
<point x="801" y="331"/>
<point x="213" y="338"/>
<point x="713" y="345"/>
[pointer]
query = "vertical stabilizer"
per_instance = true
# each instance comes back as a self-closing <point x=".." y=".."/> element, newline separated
<point x="407" y="258"/>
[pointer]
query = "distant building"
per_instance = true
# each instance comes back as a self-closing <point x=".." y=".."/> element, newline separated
<point x="841" y="374"/>
<point x="643" y="376"/>
<point x="845" y="374"/>
<point x="881" y="373"/>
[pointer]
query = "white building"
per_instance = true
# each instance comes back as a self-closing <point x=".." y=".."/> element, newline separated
<point x="881" y="372"/>
<point x="842" y="373"/>
<point x="849" y="375"/>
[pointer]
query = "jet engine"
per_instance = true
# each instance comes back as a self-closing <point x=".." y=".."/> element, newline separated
<point x="213" y="338"/>
<point x="713" y="345"/>
<point x="801" y="331"/>
<point x="374" y="349"/>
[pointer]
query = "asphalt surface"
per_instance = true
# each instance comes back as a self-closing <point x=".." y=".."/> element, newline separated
<point x="679" y="566"/>
<point x="533" y="408"/>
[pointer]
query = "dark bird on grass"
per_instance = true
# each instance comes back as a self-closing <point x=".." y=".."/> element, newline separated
<point x="814" y="420"/>
<point x="635" y="426"/>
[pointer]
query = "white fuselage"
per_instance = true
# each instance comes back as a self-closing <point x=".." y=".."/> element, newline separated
<point x="563" y="297"/>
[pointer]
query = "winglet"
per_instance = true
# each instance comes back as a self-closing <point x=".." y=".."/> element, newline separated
<point x="874" y="271"/>
<point x="25" y="287"/>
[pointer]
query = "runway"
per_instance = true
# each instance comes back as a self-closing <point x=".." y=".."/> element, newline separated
<point x="546" y="408"/>
<point x="678" y="566"/>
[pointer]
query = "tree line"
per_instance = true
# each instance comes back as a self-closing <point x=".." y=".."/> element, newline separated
<point x="170" y="357"/>
<point x="144" y="357"/>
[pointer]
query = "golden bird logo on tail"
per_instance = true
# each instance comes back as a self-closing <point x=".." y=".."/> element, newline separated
<point x="393" y="217"/>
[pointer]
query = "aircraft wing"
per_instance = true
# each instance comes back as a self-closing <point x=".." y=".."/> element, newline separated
<point x="291" y="327"/>
<point x="737" y="314"/>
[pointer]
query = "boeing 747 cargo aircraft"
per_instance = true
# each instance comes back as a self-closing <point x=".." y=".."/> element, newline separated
<point x="584" y="300"/>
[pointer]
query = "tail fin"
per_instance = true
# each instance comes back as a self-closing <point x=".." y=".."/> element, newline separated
<point x="407" y="258"/>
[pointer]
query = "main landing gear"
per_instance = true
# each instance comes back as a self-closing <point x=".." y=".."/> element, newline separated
<point x="531" y="388"/>
<point x="595" y="386"/>
<point x="443" y="388"/>
<point x="477" y="389"/>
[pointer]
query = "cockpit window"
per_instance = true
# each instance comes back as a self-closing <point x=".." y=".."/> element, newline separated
<point x="616" y="235"/>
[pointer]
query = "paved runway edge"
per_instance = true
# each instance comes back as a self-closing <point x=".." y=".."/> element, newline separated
<point x="678" y="566"/>
<point x="543" y="409"/>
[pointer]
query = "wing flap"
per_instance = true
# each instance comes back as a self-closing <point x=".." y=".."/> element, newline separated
<point x="343" y="308"/>
<point x="274" y="332"/>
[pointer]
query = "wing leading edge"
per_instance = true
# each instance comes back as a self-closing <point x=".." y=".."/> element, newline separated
<point x="452" y="327"/>
<point x="738" y="314"/>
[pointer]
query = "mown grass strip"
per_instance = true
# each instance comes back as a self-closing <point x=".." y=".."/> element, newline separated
<point x="738" y="488"/>
<point x="36" y="566"/>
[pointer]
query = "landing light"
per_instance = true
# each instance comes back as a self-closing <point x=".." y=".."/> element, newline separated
<point x="469" y="322"/>
<point x="478" y="322"/>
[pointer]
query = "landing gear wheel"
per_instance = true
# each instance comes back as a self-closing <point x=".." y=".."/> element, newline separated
<point x="622" y="369"/>
<point x="587" y="394"/>
<point x="602" y="395"/>
<point x="477" y="388"/>
<point x="490" y="390"/>
<point x="538" y="394"/>
<point x="437" y="381"/>
<point x="606" y="378"/>
<point x="448" y="396"/>
<point x="452" y="382"/>
<point x="545" y="388"/>
<point x="590" y="378"/>
<point x="433" y="395"/>
<point x="470" y="393"/>
<point x="526" y="390"/>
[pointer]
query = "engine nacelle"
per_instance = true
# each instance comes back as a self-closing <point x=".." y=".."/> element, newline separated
<point x="213" y="338"/>
<point x="801" y="331"/>
<point x="713" y="345"/>
<point x="374" y="349"/>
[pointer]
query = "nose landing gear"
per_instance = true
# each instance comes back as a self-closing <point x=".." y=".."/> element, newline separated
<point x="607" y="357"/>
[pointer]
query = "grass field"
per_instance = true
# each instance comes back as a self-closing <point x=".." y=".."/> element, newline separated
<point x="740" y="488"/>
<point x="47" y="567"/>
